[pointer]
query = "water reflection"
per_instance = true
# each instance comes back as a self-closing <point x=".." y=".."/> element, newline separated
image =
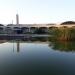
<point x="18" y="46"/>
<point x="63" y="45"/>
<point x="55" y="45"/>
<point x="36" y="56"/>
<point x="17" y="42"/>
<point x="2" y="41"/>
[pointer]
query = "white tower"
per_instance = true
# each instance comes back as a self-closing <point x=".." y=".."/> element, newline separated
<point x="17" y="19"/>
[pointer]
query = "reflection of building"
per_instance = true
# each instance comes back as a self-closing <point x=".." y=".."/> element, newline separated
<point x="17" y="43"/>
<point x="2" y="41"/>
<point x="31" y="28"/>
<point x="18" y="46"/>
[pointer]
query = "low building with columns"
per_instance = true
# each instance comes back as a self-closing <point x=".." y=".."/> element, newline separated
<point x="32" y="28"/>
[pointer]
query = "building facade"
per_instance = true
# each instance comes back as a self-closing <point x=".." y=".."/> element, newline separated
<point x="31" y="28"/>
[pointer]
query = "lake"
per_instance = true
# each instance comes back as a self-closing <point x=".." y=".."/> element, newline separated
<point x="36" y="56"/>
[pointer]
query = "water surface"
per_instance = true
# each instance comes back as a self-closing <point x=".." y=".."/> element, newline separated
<point x="37" y="57"/>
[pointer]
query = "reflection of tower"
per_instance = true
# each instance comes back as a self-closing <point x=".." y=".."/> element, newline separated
<point x="18" y="46"/>
<point x="17" y="19"/>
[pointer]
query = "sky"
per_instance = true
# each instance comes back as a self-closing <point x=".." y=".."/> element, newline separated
<point x="37" y="11"/>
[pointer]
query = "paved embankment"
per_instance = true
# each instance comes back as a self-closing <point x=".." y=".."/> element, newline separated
<point x="23" y="35"/>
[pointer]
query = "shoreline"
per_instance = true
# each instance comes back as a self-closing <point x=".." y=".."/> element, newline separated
<point x="23" y="35"/>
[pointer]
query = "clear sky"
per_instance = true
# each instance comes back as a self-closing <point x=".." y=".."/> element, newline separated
<point x="37" y="11"/>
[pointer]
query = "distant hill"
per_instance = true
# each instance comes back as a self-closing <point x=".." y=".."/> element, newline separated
<point x="67" y="23"/>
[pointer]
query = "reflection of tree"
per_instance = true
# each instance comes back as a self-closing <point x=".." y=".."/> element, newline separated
<point x="63" y="45"/>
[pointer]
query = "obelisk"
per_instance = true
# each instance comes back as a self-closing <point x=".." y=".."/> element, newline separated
<point x="17" y="19"/>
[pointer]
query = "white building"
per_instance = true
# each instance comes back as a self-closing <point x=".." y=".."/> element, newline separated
<point x="31" y="28"/>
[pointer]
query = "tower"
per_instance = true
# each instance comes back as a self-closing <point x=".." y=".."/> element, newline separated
<point x="17" y="19"/>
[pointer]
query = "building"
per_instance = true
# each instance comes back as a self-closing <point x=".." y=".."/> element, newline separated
<point x="17" y="19"/>
<point x="31" y="28"/>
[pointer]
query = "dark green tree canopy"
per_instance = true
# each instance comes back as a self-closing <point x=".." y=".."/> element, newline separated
<point x="68" y="22"/>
